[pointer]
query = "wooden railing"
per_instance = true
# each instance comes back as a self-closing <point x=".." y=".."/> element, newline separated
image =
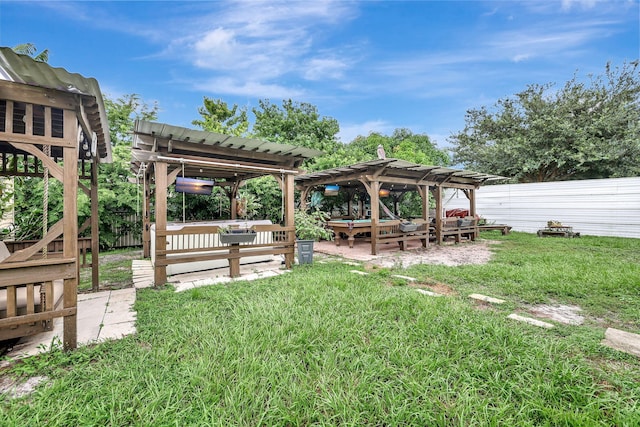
<point x="391" y="231"/>
<point x="459" y="228"/>
<point x="54" y="248"/>
<point x="202" y="243"/>
<point x="28" y="306"/>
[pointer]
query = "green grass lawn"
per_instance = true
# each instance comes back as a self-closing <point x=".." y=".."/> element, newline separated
<point x="323" y="346"/>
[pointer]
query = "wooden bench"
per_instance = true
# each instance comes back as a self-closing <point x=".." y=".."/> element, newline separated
<point x="459" y="228"/>
<point x="503" y="228"/>
<point x="390" y="232"/>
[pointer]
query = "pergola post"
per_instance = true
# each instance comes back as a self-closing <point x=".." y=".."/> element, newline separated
<point x="374" y="189"/>
<point x="232" y="193"/>
<point x="95" y="228"/>
<point x="289" y="210"/>
<point x="472" y="210"/>
<point x="423" y="190"/>
<point x="146" y="217"/>
<point x="438" y="197"/>
<point x="160" y="270"/>
<point x="70" y="229"/>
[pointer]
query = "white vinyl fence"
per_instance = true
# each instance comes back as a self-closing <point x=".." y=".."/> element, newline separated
<point x="597" y="207"/>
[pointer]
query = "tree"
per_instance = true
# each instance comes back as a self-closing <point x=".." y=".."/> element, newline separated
<point x="297" y="124"/>
<point x="402" y="144"/>
<point x="581" y="131"/>
<point x="118" y="196"/>
<point x="30" y="50"/>
<point x="123" y="112"/>
<point x="218" y="117"/>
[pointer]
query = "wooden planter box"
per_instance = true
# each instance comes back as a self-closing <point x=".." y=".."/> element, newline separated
<point x="238" y="236"/>
<point x="465" y="222"/>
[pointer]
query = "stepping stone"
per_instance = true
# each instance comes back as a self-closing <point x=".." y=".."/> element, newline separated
<point x="487" y="299"/>
<point x="142" y="273"/>
<point x="623" y="341"/>
<point x="410" y="279"/>
<point x="356" y="264"/>
<point x="529" y="320"/>
<point x="362" y="273"/>
<point x="431" y="294"/>
<point x="567" y="314"/>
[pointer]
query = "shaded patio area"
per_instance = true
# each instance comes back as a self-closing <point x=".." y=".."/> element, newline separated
<point x="388" y="256"/>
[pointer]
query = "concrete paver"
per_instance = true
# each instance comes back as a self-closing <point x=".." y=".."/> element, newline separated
<point x="623" y="341"/>
<point x="407" y="278"/>
<point x="531" y="321"/>
<point x="485" y="298"/>
<point x="426" y="292"/>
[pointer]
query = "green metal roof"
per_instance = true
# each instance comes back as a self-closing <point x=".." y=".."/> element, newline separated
<point x="212" y="139"/>
<point x="213" y="155"/>
<point x="25" y="70"/>
<point x="395" y="171"/>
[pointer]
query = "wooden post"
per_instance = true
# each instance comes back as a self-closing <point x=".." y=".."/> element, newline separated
<point x="95" y="227"/>
<point x="374" y="196"/>
<point x="289" y="220"/>
<point x="423" y="190"/>
<point x="361" y="206"/>
<point x="472" y="212"/>
<point x="146" y="217"/>
<point x="438" y="196"/>
<point x="160" y="271"/>
<point x="70" y="228"/>
<point x="234" y="263"/>
<point x="233" y="199"/>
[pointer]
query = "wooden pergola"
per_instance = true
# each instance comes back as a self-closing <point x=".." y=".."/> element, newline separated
<point x="52" y="124"/>
<point x="162" y="153"/>
<point x="398" y="177"/>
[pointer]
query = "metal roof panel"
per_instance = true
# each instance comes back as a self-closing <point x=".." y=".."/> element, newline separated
<point x="25" y="70"/>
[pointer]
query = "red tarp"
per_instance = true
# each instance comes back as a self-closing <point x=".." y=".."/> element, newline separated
<point x="460" y="213"/>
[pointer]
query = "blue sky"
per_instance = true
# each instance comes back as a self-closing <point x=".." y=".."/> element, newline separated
<point x="372" y="65"/>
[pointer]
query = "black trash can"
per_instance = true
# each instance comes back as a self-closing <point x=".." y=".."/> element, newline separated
<point x="305" y="251"/>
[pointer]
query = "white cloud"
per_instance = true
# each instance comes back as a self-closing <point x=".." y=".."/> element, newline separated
<point x="250" y="88"/>
<point x="264" y="39"/>
<point x="349" y="132"/>
<point x="586" y="4"/>
<point x="521" y="57"/>
<point x="323" y="68"/>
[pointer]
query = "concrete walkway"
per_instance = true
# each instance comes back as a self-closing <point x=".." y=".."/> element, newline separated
<point x="101" y="316"/>
<point x="110" y="314"/>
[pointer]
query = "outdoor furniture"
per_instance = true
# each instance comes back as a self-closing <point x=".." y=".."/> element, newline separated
<point x="53" y="126"/>
<point x="363" y="185"/>
<point x="505" y="229"/>
<point x="161" y="153"/>
<point x="392" y="232"/>
<point x="557" y="231"/>
<point x="350" y="228"/>
<point x="198" y="246"/>
<point x="459" y="228"/>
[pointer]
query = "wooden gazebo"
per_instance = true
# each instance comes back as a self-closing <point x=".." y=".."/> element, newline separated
<point x="163" y="153"/>
<point x="52" y="124"/>
<point x="395" y="177"/>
